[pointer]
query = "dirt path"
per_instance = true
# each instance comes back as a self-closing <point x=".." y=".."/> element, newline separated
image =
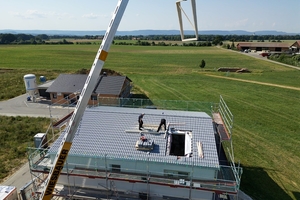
<point x="256" y="82"/>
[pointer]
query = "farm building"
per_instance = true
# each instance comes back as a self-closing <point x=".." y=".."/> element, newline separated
<point x="67" y="87"/>
<point x="42" y="88"/>
<point x="110" y="154"/>
<point x="296" y="47"/>
<point x="261" y="46"/>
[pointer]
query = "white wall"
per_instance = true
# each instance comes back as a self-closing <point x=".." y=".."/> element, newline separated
<point x="135" y="188"/>
<point x="135" y="166"/>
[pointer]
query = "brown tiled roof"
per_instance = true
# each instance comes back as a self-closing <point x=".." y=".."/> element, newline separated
<point x="263" y="44"/>
<point x="297" y="43"/>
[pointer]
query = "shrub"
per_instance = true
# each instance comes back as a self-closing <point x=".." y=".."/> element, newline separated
<point x="202" y="65"/>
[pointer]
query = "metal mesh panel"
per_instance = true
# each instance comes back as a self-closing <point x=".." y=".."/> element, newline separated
<point x="156" y="104"/>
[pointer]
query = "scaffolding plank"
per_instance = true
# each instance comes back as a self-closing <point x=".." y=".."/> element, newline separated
<point x="222" y="132"/>
<point x="217" y="118"/>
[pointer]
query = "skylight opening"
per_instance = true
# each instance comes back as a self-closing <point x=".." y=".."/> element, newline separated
<point x="177" y="145"/>
<point x="180" y="143"/>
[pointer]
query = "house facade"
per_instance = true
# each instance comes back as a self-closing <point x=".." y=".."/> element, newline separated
<point x="66" y="89"/>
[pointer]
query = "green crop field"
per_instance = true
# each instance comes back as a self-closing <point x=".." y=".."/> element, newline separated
<point x="265" y="102"/>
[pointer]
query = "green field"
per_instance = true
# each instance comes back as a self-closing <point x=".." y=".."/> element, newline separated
<point x="265" y="102"/>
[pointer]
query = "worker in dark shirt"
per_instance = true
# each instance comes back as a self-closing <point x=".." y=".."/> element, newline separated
<point x="162" y="123"/>
<point x="140" y="120"/>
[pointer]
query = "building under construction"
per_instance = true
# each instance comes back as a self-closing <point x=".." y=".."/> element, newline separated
<point x="111" y="158"/>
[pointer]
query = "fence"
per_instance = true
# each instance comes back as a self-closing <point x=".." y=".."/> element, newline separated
<point x="156" y="104"/>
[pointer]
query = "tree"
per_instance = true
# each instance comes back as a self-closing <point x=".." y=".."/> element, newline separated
<point x="217" y="40"/>
<point x="232" y="45"/>
<point x="202" y="65"/>
<point x="7" y="38"/>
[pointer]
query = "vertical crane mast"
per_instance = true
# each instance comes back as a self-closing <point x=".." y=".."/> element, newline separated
<point x="86" y="92"/>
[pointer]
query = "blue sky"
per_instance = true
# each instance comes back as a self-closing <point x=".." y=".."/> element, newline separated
<point x="93" y="15"/>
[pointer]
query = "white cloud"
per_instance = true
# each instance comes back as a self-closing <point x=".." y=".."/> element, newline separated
<point x="30" y="14"/>
<point x="62" y="16"/>
<point x="91" y="16"/>
<point x="237" y="24"/>
<point x="35" y="14"/>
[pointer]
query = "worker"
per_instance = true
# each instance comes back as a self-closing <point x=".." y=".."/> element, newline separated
<point x="162" y="123"/>
<point x="140" y="120"/>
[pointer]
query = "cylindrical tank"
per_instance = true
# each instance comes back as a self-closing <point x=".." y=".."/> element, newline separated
<point x="43" y="79"/>
<point x="30" y="82"/>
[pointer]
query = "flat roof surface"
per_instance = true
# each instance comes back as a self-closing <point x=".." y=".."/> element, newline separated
<point x="113" y="131"/>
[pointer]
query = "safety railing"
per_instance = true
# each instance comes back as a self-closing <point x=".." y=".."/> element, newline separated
<point x="226" y="115"/>
<point x="155" y="104"/>
<point x="225" y="180"/>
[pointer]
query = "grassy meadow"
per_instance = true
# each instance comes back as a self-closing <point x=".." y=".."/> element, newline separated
<point x="16" y="134"/>
<point x="265" y="102"/>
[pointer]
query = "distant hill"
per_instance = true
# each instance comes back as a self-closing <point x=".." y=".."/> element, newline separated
<point x="145" y="32"/>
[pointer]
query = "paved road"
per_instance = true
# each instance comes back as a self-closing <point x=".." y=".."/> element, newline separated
<point x="19" y="106"/>
<point x="20" y="178"/>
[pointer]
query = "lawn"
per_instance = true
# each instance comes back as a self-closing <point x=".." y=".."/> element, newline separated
<point x="265" y="102"/>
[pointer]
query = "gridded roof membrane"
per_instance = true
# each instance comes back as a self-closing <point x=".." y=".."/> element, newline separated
<point x="114" y="132"/>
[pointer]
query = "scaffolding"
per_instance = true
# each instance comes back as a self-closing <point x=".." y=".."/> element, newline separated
<point x="226" y="182"/>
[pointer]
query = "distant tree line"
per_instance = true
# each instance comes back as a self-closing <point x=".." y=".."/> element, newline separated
<point x="203" y="40"/>
<point x="9" y="38"/>
<point x="213" y="38"/>
<point x="161" y="43"/>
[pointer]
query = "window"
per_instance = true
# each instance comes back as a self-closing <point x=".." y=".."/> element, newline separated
<point x="168" y="173"/>
<point x="54" y="95"/>
<point x="115" y="168"/>
<point x="94" y="97"/>
<point x="183" y="174"/>
<point x="175" y="174"/>
<point x="66" y="96"/>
